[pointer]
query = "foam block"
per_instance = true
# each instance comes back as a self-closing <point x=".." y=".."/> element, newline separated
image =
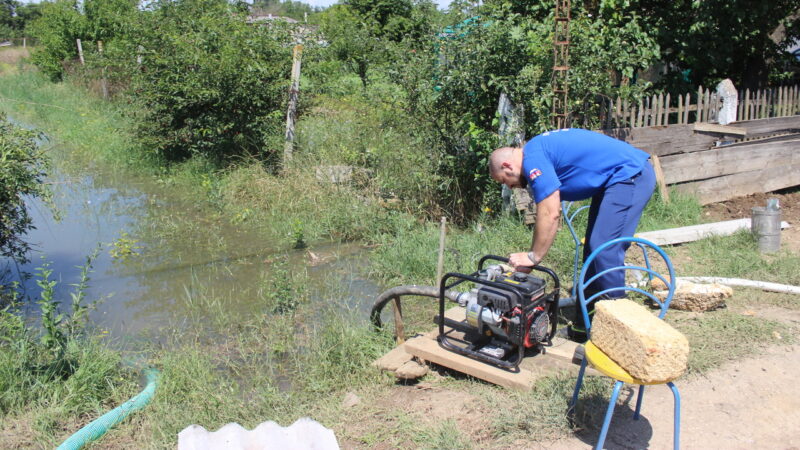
<point x="647" y="347"/>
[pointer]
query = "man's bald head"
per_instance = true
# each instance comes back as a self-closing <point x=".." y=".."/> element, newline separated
<point x="505" y="166"/>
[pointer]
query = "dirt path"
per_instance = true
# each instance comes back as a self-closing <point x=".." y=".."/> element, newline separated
<point x="749" y="404"/>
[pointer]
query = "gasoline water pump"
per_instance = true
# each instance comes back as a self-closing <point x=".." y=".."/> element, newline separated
<point x="507" y="313"/>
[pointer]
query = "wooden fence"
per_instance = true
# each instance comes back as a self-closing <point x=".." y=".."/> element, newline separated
<point x="703" y="106"/>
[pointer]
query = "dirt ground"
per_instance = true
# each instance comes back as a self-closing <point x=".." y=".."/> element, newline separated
<point x="740" y="208"/>
<point x="752" y="403"/>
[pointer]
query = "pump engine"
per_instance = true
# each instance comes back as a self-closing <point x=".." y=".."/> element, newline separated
<point x="506" y="313"/>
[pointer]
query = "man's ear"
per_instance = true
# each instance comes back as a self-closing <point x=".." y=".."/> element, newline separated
<point x="505" y="165"/>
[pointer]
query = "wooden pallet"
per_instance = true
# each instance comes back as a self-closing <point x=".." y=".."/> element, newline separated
<point x="557" y="358"/>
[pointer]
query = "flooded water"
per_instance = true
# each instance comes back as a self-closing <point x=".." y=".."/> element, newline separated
<point x="162" y="259"/>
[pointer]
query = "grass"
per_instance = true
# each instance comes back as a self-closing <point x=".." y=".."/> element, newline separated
<point x="11" y="59"/>
<point x="90" y="127"/>
<point x="737" y="256"/>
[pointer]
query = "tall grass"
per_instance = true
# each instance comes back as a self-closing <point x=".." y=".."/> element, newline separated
<point x="95" y="129"/>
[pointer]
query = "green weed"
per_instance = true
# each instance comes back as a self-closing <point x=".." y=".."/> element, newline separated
<point x="51" y="376"/>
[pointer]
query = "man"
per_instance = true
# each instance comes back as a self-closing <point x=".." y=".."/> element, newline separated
<point x="575" y="164"/>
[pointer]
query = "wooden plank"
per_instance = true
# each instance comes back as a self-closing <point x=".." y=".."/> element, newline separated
<point x="746" y="183"/>
<point x="692" y="233"/>
<point x="732" y="160"/>
<point x="429" y="350"/>
<point x="665" y="140"/>
<point x="707" y="106"/>
<point x="666" y="110"/>
<point x="675" y="139"/>
<point x="721" y="129"/>
<point x="770" y="126"/>
<point x="662" y="184"/>
<point x="680" y="109"/>
<point x="392" y="360"/>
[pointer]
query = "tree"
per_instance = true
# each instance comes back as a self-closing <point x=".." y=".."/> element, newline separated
<point x="351" y="40"/>
<point x="703" y="42"/>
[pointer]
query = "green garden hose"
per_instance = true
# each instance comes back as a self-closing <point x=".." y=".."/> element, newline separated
<point x="100" y="426"/>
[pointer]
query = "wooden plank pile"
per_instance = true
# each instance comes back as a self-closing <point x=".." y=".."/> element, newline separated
<point x="718" y="162"/>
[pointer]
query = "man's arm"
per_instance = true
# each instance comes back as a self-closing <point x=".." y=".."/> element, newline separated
<point x="548" y="214"/>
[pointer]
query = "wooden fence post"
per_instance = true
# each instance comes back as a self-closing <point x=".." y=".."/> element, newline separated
<point x="294" y="91"/>
<point x="24" y="42"/>
<point x="640" y="113"/>
<point x="746" y="107"/>
<point x="699" y="115"/>
<point x="760" y="99"/>
<point x="688" y="100"/>
<point x="103" y="81"/>
<point x="80" y="52"/>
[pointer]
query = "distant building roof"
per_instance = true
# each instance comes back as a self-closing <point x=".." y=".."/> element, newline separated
<point x="256" y="17"/>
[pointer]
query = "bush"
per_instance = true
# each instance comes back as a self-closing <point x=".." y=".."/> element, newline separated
<point x="209" y="84"/>
<point x="56" y="31"/>
<point x="22" y="169"/>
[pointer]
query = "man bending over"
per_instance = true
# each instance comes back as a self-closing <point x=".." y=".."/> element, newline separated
<point x="573" y="164"/>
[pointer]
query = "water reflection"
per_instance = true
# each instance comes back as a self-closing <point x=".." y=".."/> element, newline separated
<point x="186" y="261"/>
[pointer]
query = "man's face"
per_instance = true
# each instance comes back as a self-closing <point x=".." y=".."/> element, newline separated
<point x="509" y="175"/>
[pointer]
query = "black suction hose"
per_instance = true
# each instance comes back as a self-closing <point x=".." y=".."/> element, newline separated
<point x="397" y="292"/>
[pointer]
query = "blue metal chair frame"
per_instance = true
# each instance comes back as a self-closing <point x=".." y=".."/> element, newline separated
<point x="664" y="305"/>
<point x="569" y="217"/>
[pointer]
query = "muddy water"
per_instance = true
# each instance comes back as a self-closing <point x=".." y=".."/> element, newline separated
<point x="162" y="258"/>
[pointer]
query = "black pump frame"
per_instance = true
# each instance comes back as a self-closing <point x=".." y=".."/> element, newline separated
<point x="551" y="300"/>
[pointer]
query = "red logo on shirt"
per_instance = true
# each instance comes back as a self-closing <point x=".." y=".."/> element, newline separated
<point x="534" y="173"/>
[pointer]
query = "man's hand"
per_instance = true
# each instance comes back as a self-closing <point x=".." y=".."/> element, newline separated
<point x="521" y="262"/>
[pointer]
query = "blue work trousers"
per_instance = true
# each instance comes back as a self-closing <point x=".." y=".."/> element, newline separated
<point x="615" y="212"/>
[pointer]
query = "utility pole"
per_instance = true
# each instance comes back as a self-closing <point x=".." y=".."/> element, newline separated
<point x="561" y="64"/>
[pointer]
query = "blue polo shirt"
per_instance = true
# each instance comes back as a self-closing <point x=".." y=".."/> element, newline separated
<point x="579" y="163"/>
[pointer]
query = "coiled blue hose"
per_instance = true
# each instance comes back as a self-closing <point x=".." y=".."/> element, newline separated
<point x="100" y="426"/>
